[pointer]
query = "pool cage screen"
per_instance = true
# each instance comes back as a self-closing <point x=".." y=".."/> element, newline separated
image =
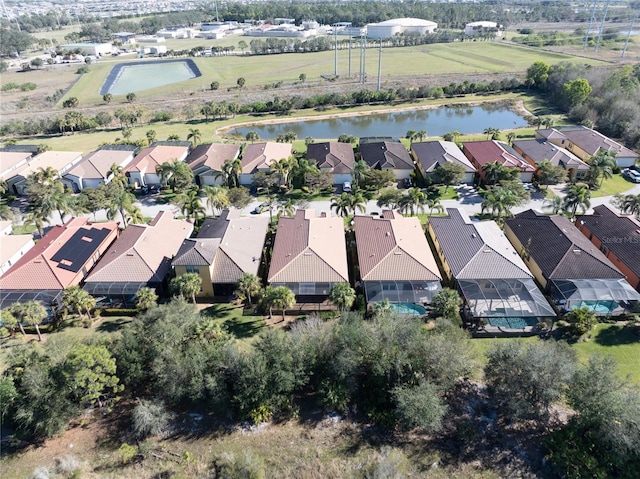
<point x="488" y="298"/>
<point x="48" y="298"/>
<point x="602" y="295"/>
<point x="123" y="293"/>
<point x="419" y="292"/>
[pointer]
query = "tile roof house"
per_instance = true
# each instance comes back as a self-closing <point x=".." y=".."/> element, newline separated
<point x="618" y="237"/>
<point x="140" y="258"/>
<point x="394" y="259"/>
<point x="309" y="254"/>
<point x="490" y="151"/>
<point x="338" y="158"/>
<point x="538" y="150"/>
<point x="430" y="155"/>
<point x="226" y="247"/>
<point x="585" y="142"/>
<point x="94" y="168"/>
<point x="206" y="161"/>
<point x="62" y="258"/>
<point x="61" y="161"/>
<point x="388" y="155"/>
<point x="12" y="248"/>
<point x="494" y="281"/>
<point x="10" y="161"/>
<point x="572" y="270"/>
<point x="260" y="156"/>
<point x="142" y="169"/>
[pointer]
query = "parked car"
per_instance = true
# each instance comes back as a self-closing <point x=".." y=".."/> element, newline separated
<point x="346" y="187"/>
<point x="260" y="208"/>
<point x="631" y="175"/>
<point x="407" y="183"/>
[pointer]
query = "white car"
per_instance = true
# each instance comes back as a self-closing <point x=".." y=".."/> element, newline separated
<point x="346" y="187"/>
<point x="632" y="175"/>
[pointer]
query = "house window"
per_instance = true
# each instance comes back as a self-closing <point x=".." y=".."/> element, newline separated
<point x="193" y="269"/>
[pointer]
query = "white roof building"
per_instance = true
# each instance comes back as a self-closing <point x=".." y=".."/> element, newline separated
<point x="390" y="28"/>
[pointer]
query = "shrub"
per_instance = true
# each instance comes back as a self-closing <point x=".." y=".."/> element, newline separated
<point x="127" y="453"/>
<point x="28" y="86"/>
<point x="10" y="86"/>
<point x="82" y="70"/>
<point x="119" y="312"/>
<point x="161" y="116"/>
<point x="149" y="419"/>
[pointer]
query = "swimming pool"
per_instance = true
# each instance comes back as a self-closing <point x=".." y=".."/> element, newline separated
<point x="409" y="309"/>
<point x="134" y="77"/>
<point x="512" y="322"/>
<point x="598" y="307"/>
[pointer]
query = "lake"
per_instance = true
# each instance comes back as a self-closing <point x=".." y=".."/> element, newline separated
<point x="436" y="122"/>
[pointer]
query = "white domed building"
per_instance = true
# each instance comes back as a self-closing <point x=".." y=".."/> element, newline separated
<point x="389" y="28"/>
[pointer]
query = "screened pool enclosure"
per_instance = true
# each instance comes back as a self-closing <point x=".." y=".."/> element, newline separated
<point x="602" y="296"/>
<point x="419" y="292"/>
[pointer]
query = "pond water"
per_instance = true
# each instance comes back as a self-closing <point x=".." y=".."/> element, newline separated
<point x="436" y="122"/>
<point x="135" y="77"/>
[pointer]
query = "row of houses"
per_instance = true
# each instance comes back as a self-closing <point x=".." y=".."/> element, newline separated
<point x="506" y="278"/>
<point x="570" y="148"/>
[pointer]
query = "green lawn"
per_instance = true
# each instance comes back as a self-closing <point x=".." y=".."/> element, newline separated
<point x="612" y="186"/>
<point x="242" y="324"/>
<point x="617" y="341"/>
<point x="449" y="193"/>
<point x="261" y="70"/>
<point x="606" y="339"/>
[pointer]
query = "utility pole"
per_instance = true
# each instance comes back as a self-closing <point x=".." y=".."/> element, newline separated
<point x="364" y="60"/>
<point x="349" y="56"/>
<point x="335" y="49"/>
<point x="379" y="64"/>
<point x="626" y="43"/>
<point x="604" y="17"/>
<point x="591" y="20"/>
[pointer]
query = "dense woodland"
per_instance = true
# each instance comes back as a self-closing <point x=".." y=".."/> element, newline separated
<point x="393" y="371"/>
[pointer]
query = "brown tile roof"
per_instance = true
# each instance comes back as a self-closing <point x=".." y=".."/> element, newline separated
<point x="260" y="156"/>
<point x="393" y="248"/>
<point x="540" y="150"/>
<point x="432" y="154"/>
<point x="143" y="253"/>
<point x="212" y="156"/>
<point x="333" y="156"/>
<point x="309" y="248"/>
<point x="152" y="156"/>
<point x="559" y="249"/>
<point x="620" y="234"/>
<point x="97" y="163"/>
<point x="588" y="140"/>
<point x="57" y="259"/>
<point x="60" y="161"/>
<point x="476" y="250"/>
<point x="386" y="155"/>
<point x="490" y="151"/>
<point x="11" y="162"/>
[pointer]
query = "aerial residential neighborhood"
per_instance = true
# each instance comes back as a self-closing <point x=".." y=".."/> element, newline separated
<point x="311" y="239"/>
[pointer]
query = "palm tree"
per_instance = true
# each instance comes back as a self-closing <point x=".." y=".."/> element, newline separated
<point x="410" y="135"/>
<point x="342" y="204"/>
<point x="116" y="175"/>
<point x="360" y="168"/>
<point x="415" y="200"/>
<point x="628" y="204"/>
<point x="249" y="286"/>
<point x="217" y="198"/>
<point x="285" y="208"/>
<point x="188" y="284"/>
<point x="343" y="296"/>
<point x="135" y="216"/>
<point x="578" y="196"/>
<point x="78" y="300"/>
<point x="189" y="203"/>
<point x="511" y="136"/>
<point x="194" y="136"/>
<point x="282" y="298"/>
<point x="555" y="204"/>
<point x="146" y="298"/>
<point x="283" y="167"/>
<point x="492" y="133"/>
<point x="119" y="201"/>
<point x="421" y="135"/>
<point x="434" y="204"/>
<point x="500" y="199"/>
<point x="493" y="172"/>
<point x="30" y="313"/>
<point x="601" y="166"/>
<point x="35" y="217"/>
<point x="230" y="172"/>
<point x="252" y="136"/>
<point x="151" y="136"/>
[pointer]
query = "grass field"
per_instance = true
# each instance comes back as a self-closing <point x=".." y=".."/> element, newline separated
<point x="612" y="186"/>
<point x="606" y="339"/>
<point x="452" y="58"/>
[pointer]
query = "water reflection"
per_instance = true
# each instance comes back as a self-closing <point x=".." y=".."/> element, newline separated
<point x="435" y="122"/>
